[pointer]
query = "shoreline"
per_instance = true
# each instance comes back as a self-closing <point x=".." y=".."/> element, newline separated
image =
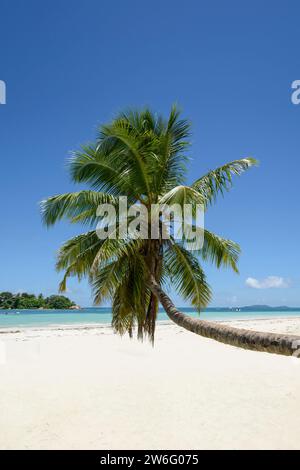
<point x="247" y="323"/>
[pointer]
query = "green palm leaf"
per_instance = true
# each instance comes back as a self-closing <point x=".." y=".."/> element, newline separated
<point x="220" y="179"/>
<point x="187" y="276"/>
<point x="76" y="207"/>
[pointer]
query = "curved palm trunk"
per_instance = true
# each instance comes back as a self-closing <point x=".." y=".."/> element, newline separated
<point x="247" y="339"/>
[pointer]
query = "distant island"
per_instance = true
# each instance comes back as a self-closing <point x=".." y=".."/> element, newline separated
<point x="20" y="301"/>
<point x="254" y="308"/>
<point x="25" y="301"/>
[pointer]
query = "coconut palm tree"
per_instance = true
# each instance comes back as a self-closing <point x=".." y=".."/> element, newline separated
<point x="143" y="157"/>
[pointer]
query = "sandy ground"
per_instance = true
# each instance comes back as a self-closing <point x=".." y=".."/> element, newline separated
<point x="89" y="389"/>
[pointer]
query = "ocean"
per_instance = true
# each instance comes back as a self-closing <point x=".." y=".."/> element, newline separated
<point x="92" y="316"/>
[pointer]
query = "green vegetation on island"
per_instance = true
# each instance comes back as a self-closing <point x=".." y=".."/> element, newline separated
<point x="23" y="300"/>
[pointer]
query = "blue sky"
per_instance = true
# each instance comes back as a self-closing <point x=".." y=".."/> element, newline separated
<point x="70" y="66"/>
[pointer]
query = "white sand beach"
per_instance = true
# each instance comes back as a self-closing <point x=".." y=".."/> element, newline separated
<point x="85" y="388"/>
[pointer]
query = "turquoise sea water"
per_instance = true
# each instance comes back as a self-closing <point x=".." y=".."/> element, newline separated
<point x="88" y="316"/>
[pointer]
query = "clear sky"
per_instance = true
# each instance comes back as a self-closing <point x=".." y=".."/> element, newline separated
<point x="71" y="65"/>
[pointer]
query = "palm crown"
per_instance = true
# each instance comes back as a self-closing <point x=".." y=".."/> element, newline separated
<point x="143" y="157"/>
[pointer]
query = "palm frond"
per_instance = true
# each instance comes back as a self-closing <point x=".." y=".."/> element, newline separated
<point x="116" y="248"/>
<point x="171" y="155"/>
<point x="131" y="300"/>
<point x="76" y="207"/>
<point x="104" y="168"/>
<point x="76" y="256"/>
<point x="187" y="276"/>
<point x="220" y="251"/>
<point x="220" y="179"/>
<point x="182" y="195"/>
<point x="131" y="150"/>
